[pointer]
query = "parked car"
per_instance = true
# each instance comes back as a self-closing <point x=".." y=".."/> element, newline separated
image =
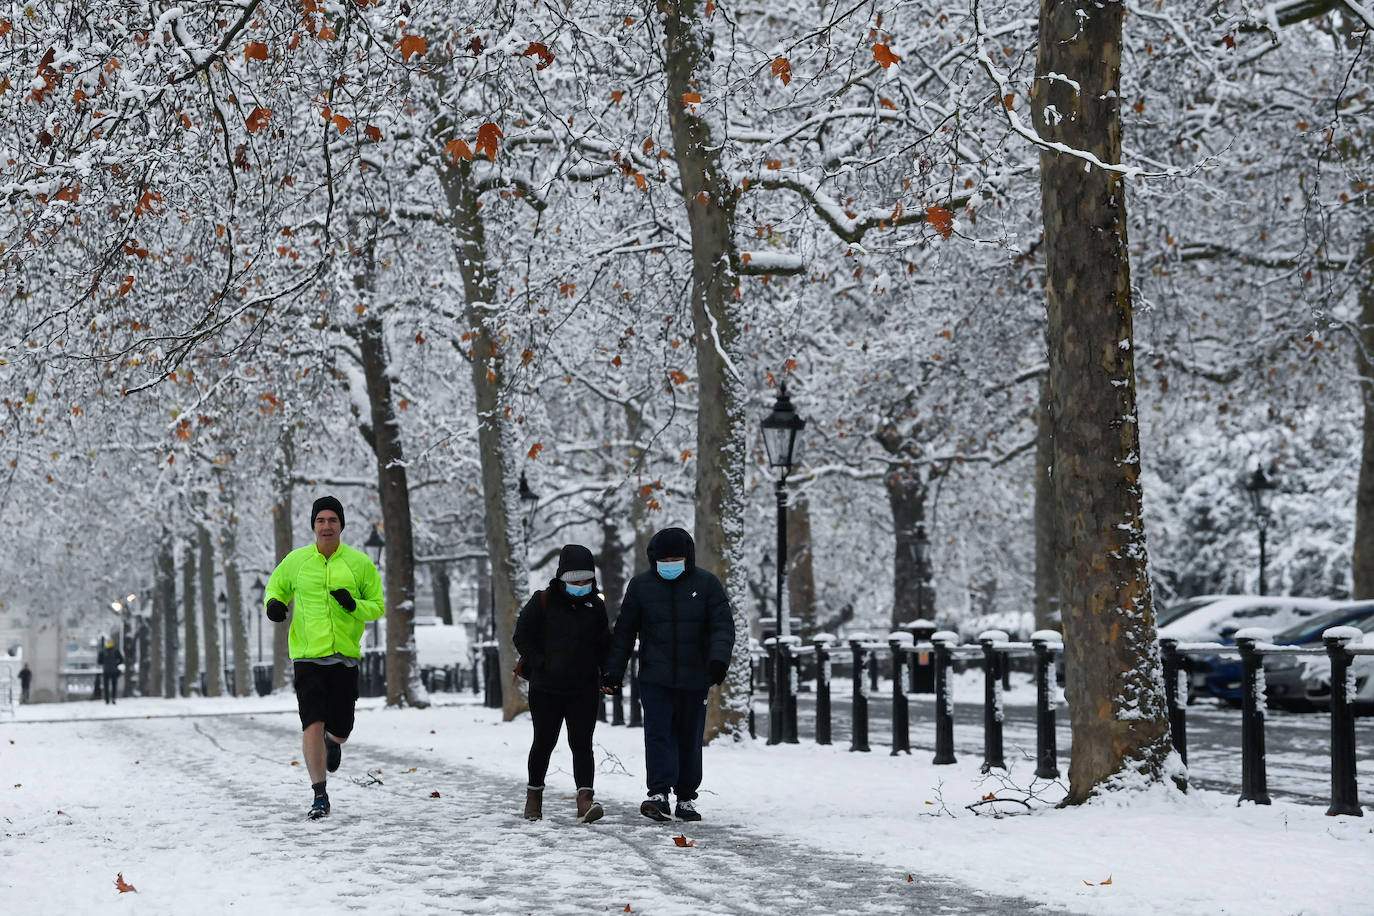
<point x="1184" y="606"/>
<point x="1316" y="674"/>
<point x="1286" y="676"/>
<point x="1219" y="620"/>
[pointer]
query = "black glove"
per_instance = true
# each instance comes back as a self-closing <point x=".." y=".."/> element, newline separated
<point x="276" y="611"/>
<point x="345" y="600"/>
<point x="610" y="682"/>
<point x="718" y="670"/>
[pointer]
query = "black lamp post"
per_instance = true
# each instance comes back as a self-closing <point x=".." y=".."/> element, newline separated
<point x="374" y="545"/>
<point x="1261" y="490"/>
<point x="260" y="590"/>
<point x="922" y="545"/>
<point x="780" y="431"/>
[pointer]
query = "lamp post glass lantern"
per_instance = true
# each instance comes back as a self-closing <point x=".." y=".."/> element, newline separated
<point x="1261" y="490"/>
<point x="781" y="429"/>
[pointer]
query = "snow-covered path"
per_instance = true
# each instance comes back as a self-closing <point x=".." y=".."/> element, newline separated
<point x="198" y="804"/>
<point x="200" y="812"/>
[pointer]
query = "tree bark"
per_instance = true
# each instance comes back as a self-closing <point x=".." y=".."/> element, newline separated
<point x="912" y="597"/>
<point x="403" y="687"/>
<point x="165" y="637"/>
<point x="1114" y="685"/>
<point x="443" y="606"/>
<point x="1362" y="556"/>
<point x="282" y="541"/>
<point x="801" y="575"/>
<point x="612" y="565"/>
<point x="1047" y="518"/>
<point x="495" y="439"/>
<point x="238" y="620"/>
<point x="214" y="669"/>
<point x="188" y="610"/>
<point x="698" y="130"/>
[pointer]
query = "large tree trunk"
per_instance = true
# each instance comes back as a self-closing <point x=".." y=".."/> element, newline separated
<point x="698" y="134"/>
<point x="1362" y="557"/>
<point x="165" y="655"/>
<point x="403" y="687"/>
<point x="907" y="492"/>
<point x="443" y="605"/>
<point x="612" y="564"/>
<point x="1114" y="686"/>
<point x="495" y="438"/>
<point x="801" y="576"/>
<point x="238" y="620"/>
<point x="188" y="610"/>
<point x="282" y="542"/>
<point x="214" y="667"/>
<point x="1047" y="519"/>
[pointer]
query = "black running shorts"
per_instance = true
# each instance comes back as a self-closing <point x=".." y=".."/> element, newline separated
<point x="327" y="693"/>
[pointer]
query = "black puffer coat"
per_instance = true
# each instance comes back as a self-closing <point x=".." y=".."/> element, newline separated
<point x="682" y="624"/>
<point x="563" y="639"/>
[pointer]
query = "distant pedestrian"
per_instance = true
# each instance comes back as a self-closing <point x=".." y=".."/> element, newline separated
<point x="25" y="677"/>
<point x="111" y="662"/>
<point x="337" y="590"/>
<point x="562" y="635"/>
<point x="686" y="631"/>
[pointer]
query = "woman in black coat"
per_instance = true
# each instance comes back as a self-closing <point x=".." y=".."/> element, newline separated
<point x="562" y="636"/>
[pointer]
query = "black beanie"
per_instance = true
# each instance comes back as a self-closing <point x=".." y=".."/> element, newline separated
<point x="575" y="558"/>
<point x="326" y="502"/>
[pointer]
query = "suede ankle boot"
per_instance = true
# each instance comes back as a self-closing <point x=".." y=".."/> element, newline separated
<point x="587" y="809"/>
<point x="534" y="804"/>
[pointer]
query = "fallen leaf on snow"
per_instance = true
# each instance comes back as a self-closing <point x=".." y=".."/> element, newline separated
<point x="412" y="769"/>
<point x="1109" y="880"/>
<point x="991" y="796"/>
<point x="683" y="841"/>
<point x="910" y="879"/>
<point x="434" y="795"/>
<point x="295" y="763"/>
<point x="123" y="886"/>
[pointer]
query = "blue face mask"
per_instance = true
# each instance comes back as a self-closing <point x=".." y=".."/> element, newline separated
<point x="672" y="570"/>
<point x="578" y="591"/>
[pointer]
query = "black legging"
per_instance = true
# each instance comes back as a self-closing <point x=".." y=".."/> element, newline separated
<point x="549" y="711"/>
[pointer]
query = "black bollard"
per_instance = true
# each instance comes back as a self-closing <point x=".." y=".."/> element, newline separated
<point x="901" y="722"/>
<point x="636" y="711"/>
<point x="859" y="740"/>
<point x="774" y="693"/>
<point x="873" y="671"/>
<point x="1253" y="779"/>
<point x="491" y="675"/>
<point x="822" y="690"/>
<point x="1046" y="755"/>
<point x="992" y="706"/>
<point x="787" y="670"/>
<point x="1175" y="696"/>
<point x="944" y="699"/>
<point x="1345" y="798"/>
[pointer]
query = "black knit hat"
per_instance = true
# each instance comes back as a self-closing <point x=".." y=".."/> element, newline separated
<point x="574" y="558"/>
<point x="326" y="502"/>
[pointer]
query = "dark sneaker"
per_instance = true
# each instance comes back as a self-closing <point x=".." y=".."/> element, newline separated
<point x="320" y="808"/>
<point x="333" y="753"/>
<point x="686" y="811"/>
<point x="655" y="807"/>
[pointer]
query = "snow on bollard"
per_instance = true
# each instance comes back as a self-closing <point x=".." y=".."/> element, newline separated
<point x="1344" y="792"/>
<point x="991" y="641"/>
<point x="1046" y="643"/>
<point x="943" y="641"/>
<point x="823" y="642"/>
<point x="862" y="658"/>
<point x="899" y="642"/>
<point x="1253" y="779"/>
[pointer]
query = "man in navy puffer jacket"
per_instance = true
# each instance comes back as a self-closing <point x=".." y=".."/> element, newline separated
<point x="686" y="632"/>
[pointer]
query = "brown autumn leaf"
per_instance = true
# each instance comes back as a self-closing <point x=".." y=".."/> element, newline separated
<point x="782" y="69"/>
<point x="373" y="133"/>
<point x="123" y="886"/>
<point x="941" y="220"/>
<point x="683" y="841"/>
<point x="883" y="55"/>
<point x="540" y="50"/>
<point x="686" y="453"/>
<point x="691" y="98"/>
<point x="617" y="95"/>
<point x="342" y="123"/>
<point x="458" y="149"/>
<point x="487" y="135"/>
<point x="411" y="44"/>
<point x="535" y="450"/>
<point x="910" y="879"/>
<point x="127" y="285"/>
<point x="526" y="356"/>
<point x="991" y="796"/>
<point x="434" y="795"/>
<point x="679" y="378"/>
<point x="257" y="119"/>
<point x="1109" y="880"/>
<point x="255" y="50"/>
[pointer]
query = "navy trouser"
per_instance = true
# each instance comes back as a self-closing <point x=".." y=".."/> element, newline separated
<point x="674" y="721"/>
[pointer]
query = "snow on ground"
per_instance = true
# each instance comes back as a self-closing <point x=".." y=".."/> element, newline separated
<point x="198" y="804"/>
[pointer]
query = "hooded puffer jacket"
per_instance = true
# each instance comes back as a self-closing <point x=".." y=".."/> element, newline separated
<point x="562" y="639"/>
<point x="682" y="624"/>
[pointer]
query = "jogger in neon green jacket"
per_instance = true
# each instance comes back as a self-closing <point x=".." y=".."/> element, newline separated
<point x="337" y="591"/>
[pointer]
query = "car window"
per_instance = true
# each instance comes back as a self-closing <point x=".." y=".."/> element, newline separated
<point x="1311" y="629"/>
